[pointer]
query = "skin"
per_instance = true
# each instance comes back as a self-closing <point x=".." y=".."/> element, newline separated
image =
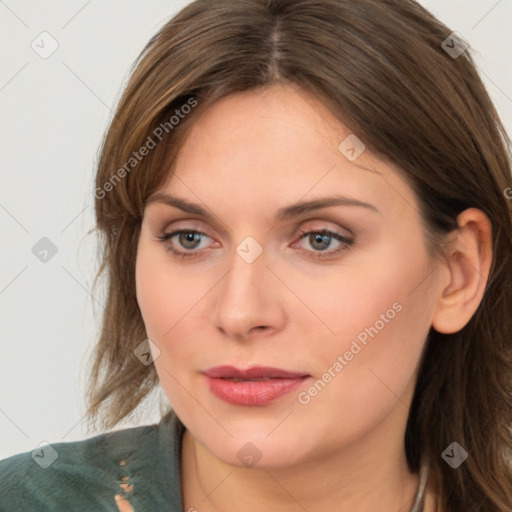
<point x="246" y="157"/>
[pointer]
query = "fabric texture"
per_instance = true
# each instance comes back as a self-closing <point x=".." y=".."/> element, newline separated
<point x="140" y="464"/>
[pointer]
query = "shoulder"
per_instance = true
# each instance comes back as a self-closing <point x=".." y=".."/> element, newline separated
<point x="88" y="474"/>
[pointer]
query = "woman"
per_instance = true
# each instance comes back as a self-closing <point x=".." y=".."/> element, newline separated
<point x="306" y="225"/>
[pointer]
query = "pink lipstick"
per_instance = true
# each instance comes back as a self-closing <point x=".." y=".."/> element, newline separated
<point x="255" y="386"/>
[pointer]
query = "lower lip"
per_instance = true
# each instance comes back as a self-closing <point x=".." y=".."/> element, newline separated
<point x="252" y="393"/>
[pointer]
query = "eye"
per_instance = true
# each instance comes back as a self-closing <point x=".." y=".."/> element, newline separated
<point x="187" y="239"/>
<point x="190" y="240"/>
<point x="322" y="240"/>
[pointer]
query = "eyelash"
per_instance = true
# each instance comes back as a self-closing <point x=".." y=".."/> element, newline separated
<point x="165" y="237"/>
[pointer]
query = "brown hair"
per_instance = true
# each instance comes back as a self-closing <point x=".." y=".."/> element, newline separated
<point x="381" y="67"/>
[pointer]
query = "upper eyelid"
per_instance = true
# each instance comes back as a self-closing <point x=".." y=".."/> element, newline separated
<point x="155" y="211"/>
<point x="333" y="222"/>
<point x="299" y="213"/>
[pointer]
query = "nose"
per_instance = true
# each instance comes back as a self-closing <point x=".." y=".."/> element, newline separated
<point x="249" y="300"/>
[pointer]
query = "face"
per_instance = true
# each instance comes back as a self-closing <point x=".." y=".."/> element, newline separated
<point x="341" y="294"/>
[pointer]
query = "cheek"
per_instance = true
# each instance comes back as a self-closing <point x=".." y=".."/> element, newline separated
<point x="381" y="316"/>
<point x="164" y="303"/>
<point x="152" y="300"/>
<point x="363" y="301"/>
<point x="172" y="301"/>
<point x="163" y="295"/>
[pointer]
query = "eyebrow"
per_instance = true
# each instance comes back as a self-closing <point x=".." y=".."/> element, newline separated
<point x="282" y="214"/>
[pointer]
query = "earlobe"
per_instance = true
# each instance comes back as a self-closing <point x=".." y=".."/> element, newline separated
<point x="468" y="261"/>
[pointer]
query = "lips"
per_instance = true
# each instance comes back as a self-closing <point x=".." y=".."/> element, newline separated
<point x="257" y="386"/>
<point x="254" y="373"/>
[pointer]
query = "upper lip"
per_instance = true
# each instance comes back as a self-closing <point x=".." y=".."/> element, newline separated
<point x="256" y="372"/>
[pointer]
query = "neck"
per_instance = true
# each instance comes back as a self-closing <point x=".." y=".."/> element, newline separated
<point x="367" y="475"/>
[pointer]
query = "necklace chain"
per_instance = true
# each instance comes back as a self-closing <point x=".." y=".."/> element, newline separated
<point x="419" y="501"/>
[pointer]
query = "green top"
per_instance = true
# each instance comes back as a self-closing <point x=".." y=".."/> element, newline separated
<point x="86" y="475"/>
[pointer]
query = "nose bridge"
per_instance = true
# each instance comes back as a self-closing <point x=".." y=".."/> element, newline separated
<point x="246" y="297"/>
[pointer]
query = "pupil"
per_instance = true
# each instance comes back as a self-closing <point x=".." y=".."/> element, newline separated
<point x="322" y="237"/>
<point x="189" y="238"/>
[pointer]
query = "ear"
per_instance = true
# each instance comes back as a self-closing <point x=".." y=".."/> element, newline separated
<point x="468" y="262"/>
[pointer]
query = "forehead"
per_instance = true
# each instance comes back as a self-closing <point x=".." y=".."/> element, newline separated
<point x="274" y="143"/>
<point x="275" y="120"/>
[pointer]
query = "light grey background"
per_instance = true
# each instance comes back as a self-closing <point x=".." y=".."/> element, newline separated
<point x="53" y="113"/>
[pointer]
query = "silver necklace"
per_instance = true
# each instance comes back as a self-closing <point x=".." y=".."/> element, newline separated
<point x="419" y="501"/>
